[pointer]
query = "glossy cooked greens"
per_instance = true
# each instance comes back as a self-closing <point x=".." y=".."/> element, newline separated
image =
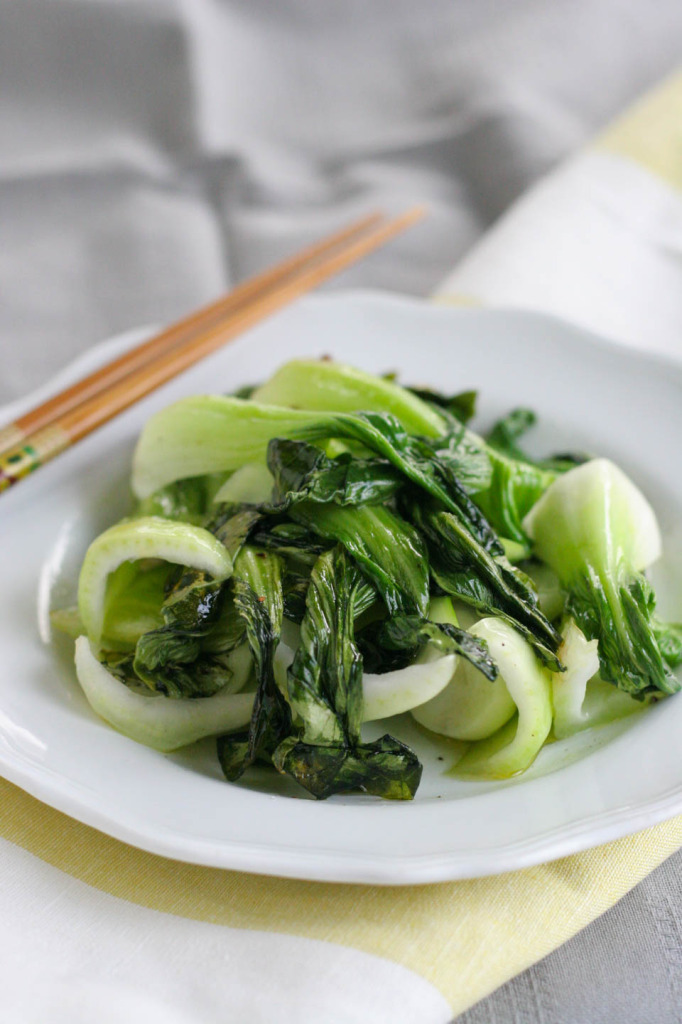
<point x="336" y="548"/>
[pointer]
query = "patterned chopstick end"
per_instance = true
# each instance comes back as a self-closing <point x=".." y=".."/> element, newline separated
<point x="25" y="458"/>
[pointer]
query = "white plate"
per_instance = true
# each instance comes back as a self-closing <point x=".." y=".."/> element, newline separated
<point x="588" y="394"/>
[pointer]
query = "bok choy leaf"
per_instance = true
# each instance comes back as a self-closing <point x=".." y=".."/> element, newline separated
<point x="505" y="479"/>
<point x="185" y="500"/>
<point x="211" y="433"/>
<point x="326" y="535"/>
<point x="135" y="539"/>
<point x="325" y="753"/>
<point x="187" y="656"/>
<point x="462" y="405"/>
<point x="580" y="698"/>
<point x="327" y="386"/>
<point x="472" y="567"/>
<point x="598" y="532"/>
<point x="506" y="433"/>
<point x="410" y="633"/>
<point x="156" y="720"/>
<point x="259" y="601"/>
<point x="303" y="472"/>
<point x="389" y="550"/>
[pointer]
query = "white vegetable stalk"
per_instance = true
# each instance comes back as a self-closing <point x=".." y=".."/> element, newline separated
<point x="512" y="748"/>
<point x="471" y="707"/>
<point x="148" y="537"/>
<point x="162" y="722"/>
<point x="166" y="723"/>
<point x="581" y="699"/>
<point x="581" y="660"/>
<point x="391" y="693"/>
<point x="395" y="692"/>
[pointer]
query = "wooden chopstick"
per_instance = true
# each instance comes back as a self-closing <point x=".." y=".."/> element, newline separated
<point x="77" y="422"/>
<point x="184" y="330"/>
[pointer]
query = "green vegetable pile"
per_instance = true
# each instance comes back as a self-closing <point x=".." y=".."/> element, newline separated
<point x="330" y="549"/>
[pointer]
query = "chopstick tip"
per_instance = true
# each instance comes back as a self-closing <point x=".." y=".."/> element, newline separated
<point x="416" y="213"/>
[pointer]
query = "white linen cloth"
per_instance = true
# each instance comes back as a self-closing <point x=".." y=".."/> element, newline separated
<point x="152" y="152"/>
<point x="72" y="955"/>
<point x="598" y="227"/>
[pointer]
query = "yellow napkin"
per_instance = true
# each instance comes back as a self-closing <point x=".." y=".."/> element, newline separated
<point x="466" y="938"/>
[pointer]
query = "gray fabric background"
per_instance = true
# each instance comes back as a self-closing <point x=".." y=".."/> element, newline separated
<point x="154" y="151"/>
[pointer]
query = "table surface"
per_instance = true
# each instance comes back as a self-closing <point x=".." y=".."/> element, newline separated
<point x="153" y="153"/>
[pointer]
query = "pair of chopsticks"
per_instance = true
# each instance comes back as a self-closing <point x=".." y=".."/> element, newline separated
<point x="48" y="429"/>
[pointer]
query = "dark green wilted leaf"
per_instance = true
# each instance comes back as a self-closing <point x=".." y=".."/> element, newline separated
<point x="192" y="594"/>
<point x="291" y="541"/>
<point x="233" y="525"/>
<point x="171" y="662"/>
<point x="295" y="590"/>
<point x="669" y="638"/>
<point x="385" y="768"/>
<point x="325" y="679"/>
<point x="302" y="472"/>
<point x="505" y="434"/>
<point x="187" y="656"/>
<point x="622" y="620"/>
<point x="388" y="549"/>
<point x="324" y="752"/>
<point x="258" y="598"/>
<point x="483" y="578"/>
<point x="244" y="392"/>
<point x="409" y="633"/>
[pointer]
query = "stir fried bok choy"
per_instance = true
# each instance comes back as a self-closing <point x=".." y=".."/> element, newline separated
<point x="337" y="549"/>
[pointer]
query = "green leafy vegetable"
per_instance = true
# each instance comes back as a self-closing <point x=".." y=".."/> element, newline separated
<point x="292" y="541"/>
<point x="597" y="531"/>
<point x="507" y="489"/>
<point x="188" y="655"/>
<point x="388" y="549"/>
<point x="325" y="753"/>
<point x="212" y="433"/>
<point x="169" y="661"/>
<point x="134" y="595"/>
<point x="506" y="480"/>
<point x="385" y="768"/>
<point x="669" y="639"/>
<point x="135" y="539"/>
<point x="327" y="386"/>
<point x="366" y="524"/>
<point x="303" y="472"/>
<point x="156" y="720"/>
<point x="471" y="566"/>
<point x="506" y="432"/>
<point x="259" y="601"/>
<point x="410" y="633"/>
<point x="184" y="500"/>
<point x="471" y="706"/>
<point x="294" y="591"/>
